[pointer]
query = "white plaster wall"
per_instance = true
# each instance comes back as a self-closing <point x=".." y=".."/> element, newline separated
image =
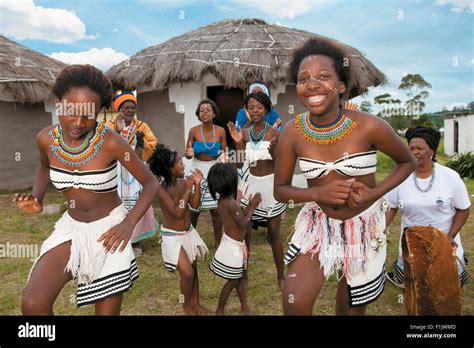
<point x="466" y="134"/>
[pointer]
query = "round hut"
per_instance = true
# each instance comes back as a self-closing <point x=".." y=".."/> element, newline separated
<point x="26" y="107"/>
<point x="218" y="62"/>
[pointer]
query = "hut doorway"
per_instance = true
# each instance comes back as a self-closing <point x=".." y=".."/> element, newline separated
<point x="229" y="101"/>
<point x="456" y="137"/>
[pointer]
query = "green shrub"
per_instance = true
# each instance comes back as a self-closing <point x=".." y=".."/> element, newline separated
<point x="464" y="165"/>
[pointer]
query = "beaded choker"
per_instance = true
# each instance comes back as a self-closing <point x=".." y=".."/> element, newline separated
<point x="256" y="140"/>
<point x="77" y="156"/>
<point x="327" y="134"/>
<point x="433" y="174"/>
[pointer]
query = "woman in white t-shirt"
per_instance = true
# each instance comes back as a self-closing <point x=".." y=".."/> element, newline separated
<point x="433" y="195"/>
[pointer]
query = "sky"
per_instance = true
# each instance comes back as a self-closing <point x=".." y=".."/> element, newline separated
<point x="433" y="38"/>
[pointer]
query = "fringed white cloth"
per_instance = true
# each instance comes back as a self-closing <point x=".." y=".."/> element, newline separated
<point x="269" y="207"/>
<point x="172" y="241"/>
<point x="87" y="255"/>
<point x="230" y="259"/>
<point x="207" y="202"/>
<point x="356" y="247"/>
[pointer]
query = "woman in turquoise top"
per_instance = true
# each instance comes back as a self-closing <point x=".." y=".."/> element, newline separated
<point x="205" y="144"/>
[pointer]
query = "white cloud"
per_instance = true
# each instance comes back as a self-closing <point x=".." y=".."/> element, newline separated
<point x="116" y="30"/>
<point x="282" y="8"/>
<point x="103" y="58"/>
<point x="458" y="5"/>
<point x="23" y="20"/>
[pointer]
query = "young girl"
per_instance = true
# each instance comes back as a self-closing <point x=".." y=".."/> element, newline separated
<point x="230" y="260"/>
<point x="204" y="145"/>
<point x="91" y="241"/>
<point x="181" y="244"/>
<point x="341" y="229"/>
<point x="259" y="142"/>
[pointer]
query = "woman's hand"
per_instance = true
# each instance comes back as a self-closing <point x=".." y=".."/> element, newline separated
<point x="335" y="193"/>
<point x="360" y="194"/>
<point x="119" y="234"/>
<point x="120" y="122"/>
<point x="277" y="124"/>
<point x="236" y="135"/>
<point x="453" y="243"/>
<point x="28" y="203"/>
<point x="189" y="151"/>
<point x="140" y="138"/>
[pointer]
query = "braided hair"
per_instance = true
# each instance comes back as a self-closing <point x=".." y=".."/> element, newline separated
<point x="161" y="162"/>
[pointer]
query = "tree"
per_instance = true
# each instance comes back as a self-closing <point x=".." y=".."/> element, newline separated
<point x="415" y="87"/>
<point x="470" y="106"/>
<point x="366" y="106"/>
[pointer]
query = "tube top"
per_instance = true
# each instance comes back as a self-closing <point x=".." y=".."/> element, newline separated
<point x="258" y="154"/>
<point x="101" y="181"/>
<point x="199" y="147"/>
<point x="357" y="164"/>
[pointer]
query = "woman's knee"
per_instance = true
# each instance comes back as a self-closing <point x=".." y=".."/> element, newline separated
<point x="33" y="305"/>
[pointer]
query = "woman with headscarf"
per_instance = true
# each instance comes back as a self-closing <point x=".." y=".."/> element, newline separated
<point x="434" y="195"/>
<point x="142" y="140"/>
<point x="243" y="119"/>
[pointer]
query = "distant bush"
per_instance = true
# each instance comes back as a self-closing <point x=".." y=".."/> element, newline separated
<point x="464" y="165"/>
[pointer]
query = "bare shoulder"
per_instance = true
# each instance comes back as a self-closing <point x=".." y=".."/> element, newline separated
<point x="43" y="138"/>
<point x="368" y="121"/>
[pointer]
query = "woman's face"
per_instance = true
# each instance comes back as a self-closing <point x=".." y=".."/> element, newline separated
<point x="78" y="111"/>
<point x="178" y="167"/>
<point x="318" y="86"/>
<point x="421" y="150"/>
<point x="128" y="109"/>
<point x="206" y="114"/>
<point x="256" y="110"/>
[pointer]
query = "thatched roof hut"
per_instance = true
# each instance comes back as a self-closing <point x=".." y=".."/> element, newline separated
<point x="25" y="75"/>
<point x="237" y="52"/>
<point x="26" y="107"/>
<point x="219" y="61"/>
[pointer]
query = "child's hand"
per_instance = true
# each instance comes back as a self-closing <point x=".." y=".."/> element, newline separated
<point x="197" y="175"/>
<point x="189" y="151"/>
<point x="188" y="183"/>
<point x="255" y="200"/>
<point x="28" y="203"/>
<point x="235" y="133"/>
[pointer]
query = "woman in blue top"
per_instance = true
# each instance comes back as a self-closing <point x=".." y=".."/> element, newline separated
<point x="204" y="145"/>
<point x="271" y="117"/>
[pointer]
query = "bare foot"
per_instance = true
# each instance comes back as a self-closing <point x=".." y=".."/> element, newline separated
<point x="246" y="310"/>
<point x="200" y="310"/>
<point x="219" y="311"/>
<point x="189" y="310"/>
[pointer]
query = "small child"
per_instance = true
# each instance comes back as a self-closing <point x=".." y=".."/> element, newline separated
<point x="181" y="244"/>
<point x="230" y="259"/>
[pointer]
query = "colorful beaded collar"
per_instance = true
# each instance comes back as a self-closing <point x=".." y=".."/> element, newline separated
<point x="77" y="156"/>
<point x="325" y="134"/>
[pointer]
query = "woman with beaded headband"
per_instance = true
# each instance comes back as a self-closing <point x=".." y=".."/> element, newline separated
<point x="206" y="143"/>
<point x="141" y="139"/>
<point x="341" y="227"/>
<point x="91" y="241"/>
<point x="258" y="142"/>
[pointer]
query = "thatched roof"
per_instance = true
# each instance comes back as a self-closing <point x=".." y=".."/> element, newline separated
<point x="25" y="75"/>
<point x="237" y="52"/>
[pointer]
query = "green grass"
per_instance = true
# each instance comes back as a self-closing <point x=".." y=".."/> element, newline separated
<point x="156" y="292"/>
